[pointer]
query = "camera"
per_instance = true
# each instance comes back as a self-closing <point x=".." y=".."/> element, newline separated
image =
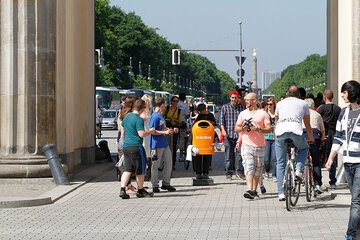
<point x="247" y="123"/>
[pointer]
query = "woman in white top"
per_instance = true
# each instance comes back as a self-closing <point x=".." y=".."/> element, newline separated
<point x="146" y="117"/>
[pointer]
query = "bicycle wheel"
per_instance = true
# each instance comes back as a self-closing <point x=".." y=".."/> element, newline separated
<point x="287" y="186"/>
<point x="308" y="185"/>
<point x="295" y="192"/>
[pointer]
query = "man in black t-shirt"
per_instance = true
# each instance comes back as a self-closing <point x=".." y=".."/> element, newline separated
<point x="330" y="113"/>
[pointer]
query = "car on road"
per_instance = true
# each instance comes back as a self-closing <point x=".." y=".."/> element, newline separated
<point x="109" y="119"/>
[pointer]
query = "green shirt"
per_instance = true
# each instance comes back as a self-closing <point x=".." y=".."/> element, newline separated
<point x="132" y="123"/>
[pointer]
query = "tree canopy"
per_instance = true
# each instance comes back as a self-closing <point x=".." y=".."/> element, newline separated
<point x="124" y="35"/>
<point x="310" y="74"/>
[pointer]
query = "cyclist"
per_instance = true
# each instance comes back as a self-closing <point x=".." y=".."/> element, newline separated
<point x="318" y="128"/>
<point x="289" y="115"/>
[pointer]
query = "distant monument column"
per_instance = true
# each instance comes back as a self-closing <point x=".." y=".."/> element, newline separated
<point x="46" y="84"/>
<point x="254" y="82"/>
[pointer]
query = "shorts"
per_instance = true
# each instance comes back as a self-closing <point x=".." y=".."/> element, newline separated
<point x="181" y="139"/>
<point x="253" y="160"/>
<point x="134" y="160"/>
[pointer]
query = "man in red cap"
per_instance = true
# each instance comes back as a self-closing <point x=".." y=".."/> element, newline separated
<point x="228" y="117"/>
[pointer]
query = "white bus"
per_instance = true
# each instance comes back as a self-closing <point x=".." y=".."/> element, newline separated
<point x="108" y="97"/>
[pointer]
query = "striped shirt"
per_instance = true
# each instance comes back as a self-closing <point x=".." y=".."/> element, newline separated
<point x="351" y="144"/>
<point x="228" y="117"/>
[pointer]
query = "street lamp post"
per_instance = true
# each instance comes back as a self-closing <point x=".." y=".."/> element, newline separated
<point x="240" y="57"/>
<point x="140" y="72"/>
<point x="149" y="73"/>
<point x="131" y="73"/>
<point x="164" y="77"/>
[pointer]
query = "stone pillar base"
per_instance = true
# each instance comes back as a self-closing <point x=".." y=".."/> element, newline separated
<point x="25" y="168"/>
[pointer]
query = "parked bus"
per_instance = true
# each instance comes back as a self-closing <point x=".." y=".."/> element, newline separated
<point x="266" y="96"/>
<point x="166" y="95"/>
<point x="108" y="97"/>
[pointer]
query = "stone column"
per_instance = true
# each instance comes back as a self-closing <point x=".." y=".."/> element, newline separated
<point x="27" y="86"/>
<point x="332" y="47"/>
<point x="348" y="45"/>
<point x="47" y="86"/>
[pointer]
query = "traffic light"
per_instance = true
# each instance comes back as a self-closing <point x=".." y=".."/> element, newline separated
<point x="175" y="57"/>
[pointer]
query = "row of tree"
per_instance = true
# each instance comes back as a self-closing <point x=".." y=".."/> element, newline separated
<point x="123" y="35"/>
<point x="310" y="74"/>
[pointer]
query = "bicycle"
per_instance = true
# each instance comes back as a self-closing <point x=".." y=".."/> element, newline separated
<point x="291" y="185"/>
<point x="309" y="179"/>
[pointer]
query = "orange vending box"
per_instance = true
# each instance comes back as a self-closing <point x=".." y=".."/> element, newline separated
<point x="203" y="137"/>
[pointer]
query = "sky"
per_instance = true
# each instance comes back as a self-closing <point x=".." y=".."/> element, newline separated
<point x="284" y="32"/>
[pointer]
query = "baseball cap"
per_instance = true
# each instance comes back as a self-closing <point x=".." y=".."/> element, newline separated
<point x="234" y="92"/>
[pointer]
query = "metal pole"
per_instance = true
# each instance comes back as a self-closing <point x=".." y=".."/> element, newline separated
<point x="240" y="57"/>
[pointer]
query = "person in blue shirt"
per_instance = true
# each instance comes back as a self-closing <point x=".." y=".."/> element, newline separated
<point x="134" y="153"/>
<point x="160" y="150"/>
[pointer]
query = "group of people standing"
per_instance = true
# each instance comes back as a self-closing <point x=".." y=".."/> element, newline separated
<point x="259" y="131"/>
<point x="263" y="129"/>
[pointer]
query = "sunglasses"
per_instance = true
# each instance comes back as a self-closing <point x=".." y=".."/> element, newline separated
<point x="269" y="104"/>
<point x="174" y="101"/>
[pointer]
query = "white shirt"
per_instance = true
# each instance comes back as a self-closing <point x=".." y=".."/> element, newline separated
<point x="290" y="112"/>
<point x="184" y="110"/>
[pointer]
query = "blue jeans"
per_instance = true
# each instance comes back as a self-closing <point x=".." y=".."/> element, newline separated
<point x="281" y="151"/>
<point x="270" y="157"/>
<point x="332" y="172"/>
<point x="352" y="174"/>
<point x="230" y="144"/>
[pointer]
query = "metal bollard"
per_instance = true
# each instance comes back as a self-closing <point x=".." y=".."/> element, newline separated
<point x="55" y="166"/>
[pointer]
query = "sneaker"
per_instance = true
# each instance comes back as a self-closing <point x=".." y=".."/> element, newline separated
<point x="156" y="189"/>
<point x="206" y="176"/>
<point x="124" y="195"/>
<point x="281" y="197"/>
<point x="349" y="238"/>
<point x="255" y="194"/>
<point x="263" y="189"/>
<point x="248" y="194"/>
<point x="241" y="176"/>
<point x="332" y="186"/>
<point x="131" y="189"/>
<point x="229" y="177"/>
<point x="142" y="193"/>
<point x="266" y="176"/>
<point x="318" y="189"/>
<point x="299" y="175"/>
<point x="274" y="179"/>
<point x="169" y="188"/>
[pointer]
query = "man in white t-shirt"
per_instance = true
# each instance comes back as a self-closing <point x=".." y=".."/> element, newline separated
<point x="289" y="115"/>
<point x="185" y="114"/>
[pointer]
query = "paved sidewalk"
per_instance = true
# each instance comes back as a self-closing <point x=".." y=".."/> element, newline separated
<point x="95" y="211"/>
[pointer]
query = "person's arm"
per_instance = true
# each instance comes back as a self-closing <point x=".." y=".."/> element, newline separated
<point x="238" y="124"/>
<point x="222" y="121"/>
<point x="143" y="133"/>
<point x="330" y="160"/>
<point x="122" y="136"/>
<point x="267" y="128"/>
